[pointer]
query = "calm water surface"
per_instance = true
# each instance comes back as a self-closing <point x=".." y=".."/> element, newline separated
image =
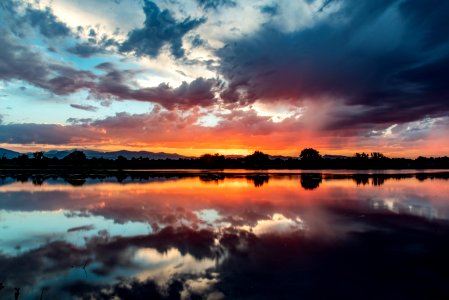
<point x="334" y="235"/>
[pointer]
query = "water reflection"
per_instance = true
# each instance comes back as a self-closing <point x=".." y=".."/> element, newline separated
<point x="217" y="236"/>
<point x="311" y="181"/>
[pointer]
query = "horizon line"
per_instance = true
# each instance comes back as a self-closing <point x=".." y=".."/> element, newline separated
<point x="210" y="152"/>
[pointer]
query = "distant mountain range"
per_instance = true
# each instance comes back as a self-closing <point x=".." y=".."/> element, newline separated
<point x="97" y="154"/>
<point x="8" y="153"/>
<point x="130" y="154"/>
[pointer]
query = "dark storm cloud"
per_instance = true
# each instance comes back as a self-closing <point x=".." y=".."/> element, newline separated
<point x="270" y="9"/>
<point x="86" y="50"/>
<point x="92" y="33"/>
<point x="42" y="134"/>
<point x="82" y="228"/>
<point x="20" y="62"/>
<point x="75" y="121"/>
<point x="19" y="17"/>
<point x="198" y="92"/>
<point x="325" y="4"/>
<point x="197" y="41"/>
<point x="46" y="22"/>
<point x="114" y="83"/>
<point x="387" y="61"/>
<point x="160" y="29"/>
<point x="215" y="4"/>
<point x="84" y="107"/>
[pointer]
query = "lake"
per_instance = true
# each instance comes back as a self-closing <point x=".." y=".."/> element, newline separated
<point x="226" y="235"/>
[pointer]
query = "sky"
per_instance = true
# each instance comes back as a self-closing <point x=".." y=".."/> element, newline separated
<point x="226" y="76"/>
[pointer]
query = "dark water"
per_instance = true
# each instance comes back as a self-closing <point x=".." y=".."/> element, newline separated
<point x="225" y="236"/>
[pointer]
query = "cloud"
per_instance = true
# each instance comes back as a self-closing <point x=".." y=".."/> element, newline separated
<point x="21" y="63"/>
<point x="248" y="122"/>
<point x="84" y="107"/>
<point x="45" y="134"/>
<point x="21" y="18"/>
<point x="82" y="228"/>
<point x="115" y="83"/>
<point x="86" y="50"/>
<point x="46" y="22"/>
<point x="381" y="60"/>
<point x="74" y="121"/>
<point x="29" y="64"/>
<point x="197" y="41"/>
<point x="160" y="29"/>
<point x="271" y="10"/>
<point x="215" y="4"/>
<point x="160" y="126"/>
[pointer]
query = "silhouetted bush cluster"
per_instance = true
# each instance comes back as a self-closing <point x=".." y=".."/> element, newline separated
<point x="309" y="158"/>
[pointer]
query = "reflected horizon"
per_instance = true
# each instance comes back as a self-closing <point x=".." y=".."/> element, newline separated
<point x="191" y="236"/>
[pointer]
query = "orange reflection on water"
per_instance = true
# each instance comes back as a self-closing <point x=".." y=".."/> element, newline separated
<point x="278" y="189"/>
<point x="239" y="200"/>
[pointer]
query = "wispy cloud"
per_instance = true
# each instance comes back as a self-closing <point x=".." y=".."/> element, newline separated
<point x="84" y="107"/>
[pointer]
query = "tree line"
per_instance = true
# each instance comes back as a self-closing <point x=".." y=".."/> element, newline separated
<point x="308" y="158"/>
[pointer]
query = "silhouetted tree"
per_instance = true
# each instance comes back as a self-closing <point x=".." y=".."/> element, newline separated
<point x="212" y="161"/>
<point x="38" y="155"/>
<point x="257" y="160"/>
<point x="309" y="158"/>
<point x="362" y="155"/>
<point x="22" y="158"/>
<point x="75" y="156"/>
<point x="377" y="155"/>
<point x="121" y="161"/>
<point x="361" y="160"/>
<point x="309" y="154"/>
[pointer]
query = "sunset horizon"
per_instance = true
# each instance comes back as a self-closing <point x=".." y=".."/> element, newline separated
<point x="224" y="77"/>
<point x="189" y="152"/>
